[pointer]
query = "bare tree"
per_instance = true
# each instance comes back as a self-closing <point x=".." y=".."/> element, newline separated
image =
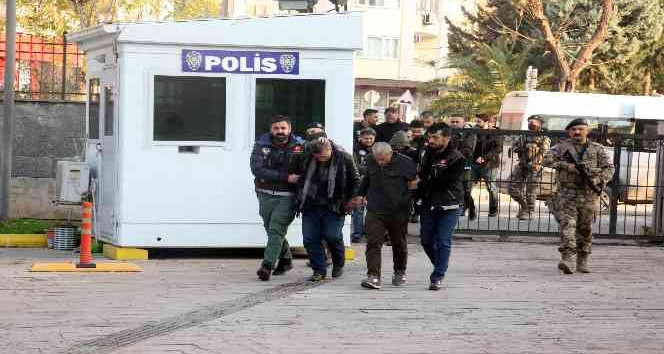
<point x="569" y="66"/>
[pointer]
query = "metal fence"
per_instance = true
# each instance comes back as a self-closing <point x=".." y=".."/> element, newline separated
<point x="627" y="202"/>
<point x="45" y="69"/>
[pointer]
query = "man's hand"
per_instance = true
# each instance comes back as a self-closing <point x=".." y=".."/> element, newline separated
<point x="293" y="179"/>
<point x="412" y="184"/>
<point x="479" y="161"/>
<point x="536" y="167"/>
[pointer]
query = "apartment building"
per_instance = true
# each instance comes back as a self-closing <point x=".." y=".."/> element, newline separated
<point x="405" y="44"/>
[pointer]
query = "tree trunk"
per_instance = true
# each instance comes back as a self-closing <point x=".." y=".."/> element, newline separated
<point x="647" y="83"/>
<point x="570" y="71"/>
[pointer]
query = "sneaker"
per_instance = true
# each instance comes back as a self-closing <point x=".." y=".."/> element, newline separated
<point x="436" y="285"/>
<point x="337" y="272"/>
<point x="283" y="266"/>
<point x="371" y="282"/>
<point x="399" y="279"/>
<point x="264" y="273"/>
<point x="317" y="277"/>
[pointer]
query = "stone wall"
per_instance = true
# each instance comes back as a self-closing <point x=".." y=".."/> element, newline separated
<point x="45" y="132"/>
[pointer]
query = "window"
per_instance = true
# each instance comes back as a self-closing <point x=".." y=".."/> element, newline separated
<point x="381" y="48"/>
<point x="189" y="108"/>
<point x="371" y="2"/>
<point x="93" y="109"/>
<point x="390" y="48"/>
<point x="108" y="111"/>
<point x="374" y="47"/>
<point x="303" y="101"/>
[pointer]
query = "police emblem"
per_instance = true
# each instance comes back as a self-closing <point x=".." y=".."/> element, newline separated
<point x="287" y="63"/>
<point x="193" y="60"/>
<point x="266" y="151"/>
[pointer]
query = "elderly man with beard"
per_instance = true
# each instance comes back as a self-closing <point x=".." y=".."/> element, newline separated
<point x="327" y="191"/>
<point x="275" y="165"/>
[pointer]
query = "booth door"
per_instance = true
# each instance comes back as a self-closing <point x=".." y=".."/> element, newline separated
<point x="107" y="174"/>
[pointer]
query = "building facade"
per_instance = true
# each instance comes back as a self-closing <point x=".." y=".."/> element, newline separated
<point x="405" y="45"/>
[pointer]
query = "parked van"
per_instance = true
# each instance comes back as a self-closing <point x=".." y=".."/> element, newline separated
<point x="610" y="113"/>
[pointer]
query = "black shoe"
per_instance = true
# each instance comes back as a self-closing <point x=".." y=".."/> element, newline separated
<point x="493" y="213"/>
<point x="355" y="240"/>
<point x="316" y="277"/>
<point x="284" y="265"/>
<point x="436" y="285"/>
<point x="264" y="273"/>
<point x="337" y="272"/>
<point x="414" y="219"/>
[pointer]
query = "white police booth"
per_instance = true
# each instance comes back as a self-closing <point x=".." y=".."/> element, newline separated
<point x="174" y="109"/>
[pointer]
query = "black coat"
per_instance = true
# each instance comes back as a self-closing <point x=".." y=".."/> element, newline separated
<point x="347" y="182"/>
<point x="441" y="176"/>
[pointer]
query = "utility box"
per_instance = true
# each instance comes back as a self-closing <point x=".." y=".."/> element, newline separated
<point x="72" y="181"/>
<point x="174" y="108"/>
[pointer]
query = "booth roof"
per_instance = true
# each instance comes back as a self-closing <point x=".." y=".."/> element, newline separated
<point x="333" y="31"/>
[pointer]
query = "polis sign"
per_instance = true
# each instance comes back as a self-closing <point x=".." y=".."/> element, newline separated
<point x="240" y="62"/>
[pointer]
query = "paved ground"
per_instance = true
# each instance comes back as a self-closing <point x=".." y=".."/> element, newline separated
<point x="498" y="298"/>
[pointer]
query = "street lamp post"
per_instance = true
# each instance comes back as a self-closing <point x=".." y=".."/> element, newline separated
<point x="8" y="119"/>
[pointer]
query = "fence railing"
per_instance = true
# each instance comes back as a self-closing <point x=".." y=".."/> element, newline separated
<point x="45" y="69"/>
<point x="627" y="202"/>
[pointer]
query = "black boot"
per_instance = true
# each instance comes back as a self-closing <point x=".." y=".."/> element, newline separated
<point x="472" y="214"/>
<point x="264" y="273"/>
<point x="284" y="265"/>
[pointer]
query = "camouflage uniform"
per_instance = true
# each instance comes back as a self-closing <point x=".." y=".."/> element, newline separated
<point x="575" y="204"/>
<point x="525" y="179"/>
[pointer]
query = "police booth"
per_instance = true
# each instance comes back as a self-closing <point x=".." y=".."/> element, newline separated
<point x="174" y="108"/>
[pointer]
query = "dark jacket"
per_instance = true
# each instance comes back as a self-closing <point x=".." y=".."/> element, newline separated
<point x="465" y="143"/>
<point x="441" y="178"/>
<point x="384" y="131"/>
<point x="489" y="147"/>
<point x="347" y="180"/>
<point x="386" y="188"/>
<point x="271" y="164"/>
<point x="360" y="154"/>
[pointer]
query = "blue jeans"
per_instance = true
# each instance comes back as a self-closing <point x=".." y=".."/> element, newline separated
<point x="357" y="221"/>
<point x="321" y="223"/>
<point x="436" y="231"/>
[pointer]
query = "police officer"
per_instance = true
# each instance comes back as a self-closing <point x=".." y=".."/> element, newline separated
<point x="275" y="165"/>
<point x="464" y="142"/>
<point x="527" y="174"/>
<point x="583" y="168"/>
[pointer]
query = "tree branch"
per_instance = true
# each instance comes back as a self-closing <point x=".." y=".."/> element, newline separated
<point x="598" y="37"/>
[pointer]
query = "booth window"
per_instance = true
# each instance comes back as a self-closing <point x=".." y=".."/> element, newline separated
<point x="108" y="111"/>
<point x="303" y="101"/>
<point x="189" y="108"/>
<point x="93" y="109"/>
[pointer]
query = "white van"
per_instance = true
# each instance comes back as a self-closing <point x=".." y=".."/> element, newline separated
<point x="612" y="113"/>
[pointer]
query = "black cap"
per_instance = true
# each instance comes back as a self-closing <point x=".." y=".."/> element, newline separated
<point x="315" y="125"/>
<point x="575" y="122"/>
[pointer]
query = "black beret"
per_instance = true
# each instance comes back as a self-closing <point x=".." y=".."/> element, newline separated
<point x="575" y="122"/>
<point x="536" y="117"/>
<point x="314" y="125"/>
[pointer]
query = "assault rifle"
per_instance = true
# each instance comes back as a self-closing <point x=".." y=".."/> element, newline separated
<point x="581" y="169"/>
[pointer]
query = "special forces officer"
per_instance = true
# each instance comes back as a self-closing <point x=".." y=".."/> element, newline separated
<point x="527" y="174"/>
<point x="583" y="168"/>
<point x="275" y="163"/>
